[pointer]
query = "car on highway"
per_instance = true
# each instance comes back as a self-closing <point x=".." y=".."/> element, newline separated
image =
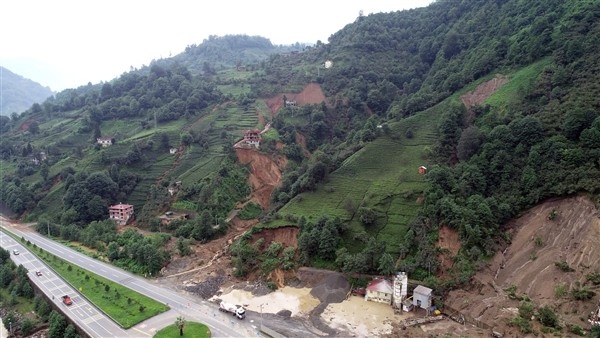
<point x="15" y="251"/>
<point x="38" y="273"/>
<point x="67" y="300"/>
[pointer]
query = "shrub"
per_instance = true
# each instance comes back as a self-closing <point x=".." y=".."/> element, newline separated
<point x="582" y="293"/>
<point x="273" y="249"/>
<point x="512" y="291"/>
<point x="593" y="277"/>
<point x="271" y="285"/>
<point x="526" y="309"/>
<point x="269" y="265"/>
<point x="539" y="241"/>
<point x="560" y="290"/>
<point x="564" y="266"/>
<point x="523" y="324"/>
<point x="576" y="329"/>
<point x="548" y="318"/>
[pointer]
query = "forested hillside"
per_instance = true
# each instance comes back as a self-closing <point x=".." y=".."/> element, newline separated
<point x="393" y="84"/>
<point x="19" y="93"/>
<point x="217" y="53"/>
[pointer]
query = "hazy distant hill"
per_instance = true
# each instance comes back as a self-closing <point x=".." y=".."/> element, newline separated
<point x="227" y="51"/>
<point x="19" y="93"/>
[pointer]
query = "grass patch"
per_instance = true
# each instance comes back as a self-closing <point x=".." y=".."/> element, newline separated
<point x="517" y="84"/>
<point x="191" y="330"/>
<point x="250" y="211"/>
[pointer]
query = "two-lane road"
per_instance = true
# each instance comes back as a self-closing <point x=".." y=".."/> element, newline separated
<point x="221" y="325"/>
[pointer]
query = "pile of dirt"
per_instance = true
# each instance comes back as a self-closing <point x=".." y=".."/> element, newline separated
<point x="285" y="313"/>
<point x="333" y="289"/>
<point x="206" y="288"/>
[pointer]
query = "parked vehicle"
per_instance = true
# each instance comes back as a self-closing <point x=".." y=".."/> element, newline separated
<point x="67" y="300"/>
<point x="235" y="310"/>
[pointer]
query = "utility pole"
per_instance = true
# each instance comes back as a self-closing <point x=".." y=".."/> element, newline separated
<point x="261" y="316"/>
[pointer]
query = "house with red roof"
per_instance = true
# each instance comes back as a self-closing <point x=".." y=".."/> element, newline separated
<point x="380" y="290"/>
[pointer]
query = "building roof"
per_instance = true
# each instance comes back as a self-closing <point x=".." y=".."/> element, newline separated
<point x="121" y="206"/>
<point x="420" y="289"/>
<point x="380" y="285"/>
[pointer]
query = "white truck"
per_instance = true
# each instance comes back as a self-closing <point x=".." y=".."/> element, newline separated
<point x="235" y="310"/>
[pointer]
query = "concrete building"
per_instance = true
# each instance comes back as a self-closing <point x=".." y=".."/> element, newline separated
<point x="121" y="213"/>
<point x="252" y="138"/>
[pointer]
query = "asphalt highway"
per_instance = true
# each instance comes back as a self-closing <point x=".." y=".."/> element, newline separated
<point x="94" y="322"/>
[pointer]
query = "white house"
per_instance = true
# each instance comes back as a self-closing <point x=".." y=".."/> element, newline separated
<point x="379" y="290"/>
<point x="105" y="141"/>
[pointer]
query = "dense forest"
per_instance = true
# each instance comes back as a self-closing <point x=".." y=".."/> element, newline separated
<point x="489" y="162"/>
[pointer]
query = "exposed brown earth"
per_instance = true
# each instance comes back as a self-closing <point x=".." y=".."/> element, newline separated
<point x="265" y="174"/>
<point x="528" y="264"/>
<point x="449" y="242"/>
<point x="287" y="236"/>
<point x="483" y="91"/>
<point x="311" y="94"/>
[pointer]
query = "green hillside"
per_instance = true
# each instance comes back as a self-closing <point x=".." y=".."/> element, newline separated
<point x="351" y="183"/>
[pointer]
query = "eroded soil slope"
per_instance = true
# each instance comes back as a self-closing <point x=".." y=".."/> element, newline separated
<point x="212" y="258"/>
<point x="483" y="91"/>
<point x="311" y="94"/>
<point x="538" y="242"/>
<point x="265" y="174"/>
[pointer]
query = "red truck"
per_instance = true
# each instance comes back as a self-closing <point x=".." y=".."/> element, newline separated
<point x="67" y="300"/>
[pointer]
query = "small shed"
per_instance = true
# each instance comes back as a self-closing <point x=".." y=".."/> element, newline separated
<point x="422" y="297"/>
<point x="422" y="170"/>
